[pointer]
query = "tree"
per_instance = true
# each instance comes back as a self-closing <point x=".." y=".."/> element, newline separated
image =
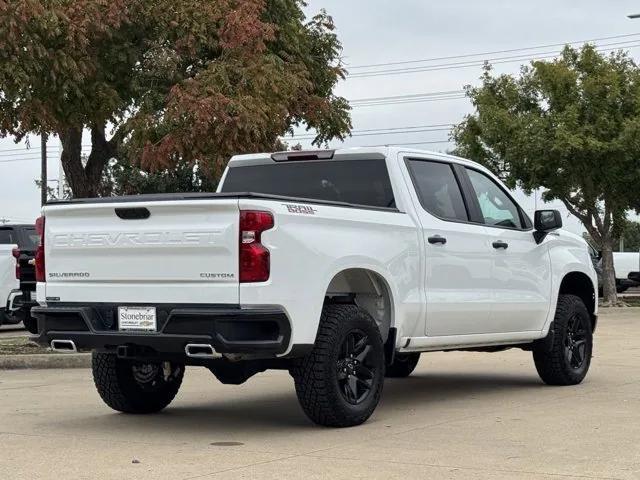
<point x="164" y="83"/>
<point x="570" y="126"/>
<point x="122" y="178"/>
<point x="631" y="236"/>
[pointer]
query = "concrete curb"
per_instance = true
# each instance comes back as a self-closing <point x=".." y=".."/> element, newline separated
<point x="45" y="360"/>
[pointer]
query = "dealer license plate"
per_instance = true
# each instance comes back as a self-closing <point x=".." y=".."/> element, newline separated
<point x="141" y="319"/>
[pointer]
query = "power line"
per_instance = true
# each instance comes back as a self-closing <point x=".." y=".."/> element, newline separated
<point x="29" y="155"/>
<point x="405" y="128"/>
<point x="438" y="127"/>
<point x="495" y="52"/>
<point x="425" y="99"/>
<point x="476" y="63"/>
<point x="413" y="98"/>
<point x="29" y="152"/>
<point x="26" y="149"/>
<point x="382" y="133"/>
<point x="408" y="96"/>
<point x="25" y="159"/>
<point x="432" y="142"/>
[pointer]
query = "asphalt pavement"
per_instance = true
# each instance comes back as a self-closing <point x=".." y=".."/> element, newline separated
<point x="459" y="416"/>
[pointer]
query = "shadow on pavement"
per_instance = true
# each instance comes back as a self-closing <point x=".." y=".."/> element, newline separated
<point x="271" y="412"/>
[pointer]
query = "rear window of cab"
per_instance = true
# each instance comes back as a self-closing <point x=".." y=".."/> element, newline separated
<point x="357" y="182"/>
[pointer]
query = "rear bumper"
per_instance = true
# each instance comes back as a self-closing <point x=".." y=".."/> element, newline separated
<point x="261" y="332"/>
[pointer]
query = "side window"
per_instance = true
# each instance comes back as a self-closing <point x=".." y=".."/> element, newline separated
<point x="438" y="189"/>
<point x="6" y="237"/>
<point x="497" y="208"/>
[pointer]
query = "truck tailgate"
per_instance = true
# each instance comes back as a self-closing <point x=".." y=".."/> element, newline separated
<point x="179" y="251"/>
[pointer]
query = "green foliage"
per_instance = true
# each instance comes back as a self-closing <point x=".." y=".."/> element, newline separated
<point x="570" y="126"/>
<point x="126" y="179"/>
<point x="177" y="82"/>
<point x="631" y="237"/>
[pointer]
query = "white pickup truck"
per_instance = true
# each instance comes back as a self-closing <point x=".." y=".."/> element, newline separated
<point x="339" y="266"/>
<point x="627" y="268"/>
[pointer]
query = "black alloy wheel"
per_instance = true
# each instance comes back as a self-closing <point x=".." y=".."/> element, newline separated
<point x="575" y="341"/>
<point x="355" y="371"/>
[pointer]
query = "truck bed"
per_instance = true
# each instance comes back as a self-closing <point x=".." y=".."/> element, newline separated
<point x="167" y="197"/>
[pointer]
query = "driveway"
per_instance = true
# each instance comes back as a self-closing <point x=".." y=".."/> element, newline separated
<point x="460" y="416"/>
<point x="13" y="330"/>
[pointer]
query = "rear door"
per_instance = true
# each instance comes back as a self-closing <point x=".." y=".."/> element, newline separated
<point x="143" y="252"/>
<point x="520" y="268"/>
<point x="458" y="257"/>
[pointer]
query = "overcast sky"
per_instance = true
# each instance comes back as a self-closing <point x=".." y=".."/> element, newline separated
<point x="381" y="32"/>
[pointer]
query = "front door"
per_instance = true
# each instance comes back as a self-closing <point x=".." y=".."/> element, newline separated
<point x="521" y="269"/>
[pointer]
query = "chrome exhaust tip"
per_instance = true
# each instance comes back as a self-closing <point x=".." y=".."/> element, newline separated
<point x="65" y="346"/>
<point x="201" y="350"/>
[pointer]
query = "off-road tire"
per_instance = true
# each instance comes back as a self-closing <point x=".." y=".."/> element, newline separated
<point x="403" y="365"/>
<point x="119" y="389"/>
<point x="551" y="361"/>
<point x="316" y="376"/>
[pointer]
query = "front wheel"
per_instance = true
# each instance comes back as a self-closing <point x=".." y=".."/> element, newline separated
<point x="340" y="382"/>
<point x="135" y="387"/>
<point x="566" y="361"/>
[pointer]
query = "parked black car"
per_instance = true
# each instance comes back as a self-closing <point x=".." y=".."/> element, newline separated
<point x="20" y="302"/>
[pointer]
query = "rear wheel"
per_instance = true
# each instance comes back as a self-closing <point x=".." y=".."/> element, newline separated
<point x="403" y="365"/>
<point x="567" y="360"/>
<point x="339" y="383"/>
<point x="134" y="387"/>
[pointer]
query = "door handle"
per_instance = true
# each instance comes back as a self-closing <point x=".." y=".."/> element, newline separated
<point x="500" y="244"/>
<point x="437" y="239"/>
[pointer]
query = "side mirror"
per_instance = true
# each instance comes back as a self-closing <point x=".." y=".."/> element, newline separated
<point x="546" y="221"/>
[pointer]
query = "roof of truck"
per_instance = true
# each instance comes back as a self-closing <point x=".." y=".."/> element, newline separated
<point x="7" y="226"/>
<point x="347" y="153"/>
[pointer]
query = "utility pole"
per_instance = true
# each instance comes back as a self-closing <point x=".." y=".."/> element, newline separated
<point x="43" y="168"/>
<point x="60" y="175"/>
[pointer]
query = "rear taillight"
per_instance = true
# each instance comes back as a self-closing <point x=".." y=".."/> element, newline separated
<point x="40" y="267"/>
<point x="16" y="254"/>
<point x="254" y="257"/>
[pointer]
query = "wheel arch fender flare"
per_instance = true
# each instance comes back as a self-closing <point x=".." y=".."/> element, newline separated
<point x="576" y="280"/>
<point x="372" y="286"/>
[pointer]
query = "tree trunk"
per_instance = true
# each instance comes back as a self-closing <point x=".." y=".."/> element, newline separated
<point x="71" y="159"/>
<point x="608" y="274"/>
<point x="85" y="181"/>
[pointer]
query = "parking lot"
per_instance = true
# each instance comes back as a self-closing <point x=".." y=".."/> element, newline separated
<point x="461" y="415"/>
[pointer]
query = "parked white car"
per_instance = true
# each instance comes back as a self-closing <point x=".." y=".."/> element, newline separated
<point x="340" y="266"/>
<point x="8" y="282"/>
<point x="627" y="268"/>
